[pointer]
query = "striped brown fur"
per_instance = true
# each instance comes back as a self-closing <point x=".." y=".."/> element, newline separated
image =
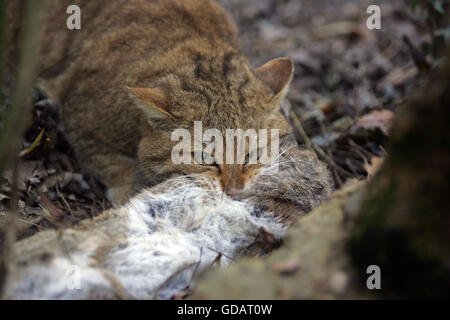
<point x="184" y="53"/>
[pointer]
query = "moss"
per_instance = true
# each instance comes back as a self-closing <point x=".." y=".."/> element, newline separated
<point x="403" y="227"/>
<point x="315" y="245"/>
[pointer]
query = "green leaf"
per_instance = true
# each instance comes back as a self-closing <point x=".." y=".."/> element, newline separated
<point x="444" y="32"/>
<point x="425" y="47"/>
<point x="3" y="197"/>
<point x="414" y="4"/>
<point x="438" y="5"/>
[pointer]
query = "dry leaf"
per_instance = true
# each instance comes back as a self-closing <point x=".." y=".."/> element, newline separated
<point x="381" y="120"/>
<point x="54" y="212"/>
<point x="64" y="178"/>
<point x="373" y="168"/>
<point x="286" y="267"/>
<point x="3" y="196"/>
<point x="25" y="171"/>
<point x="400" y="76"/>
<point x="265" y="240"/>
<point x="336" y="29"/>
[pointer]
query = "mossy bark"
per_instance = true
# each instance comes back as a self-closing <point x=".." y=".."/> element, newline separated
<point x="399" y="222"/>
<point x="15" y="119"/>
<point x="405" y="223"/>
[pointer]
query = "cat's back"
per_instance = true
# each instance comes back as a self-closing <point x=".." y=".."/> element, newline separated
<point x="120" y="43"/>
<point x="116" y="34"/>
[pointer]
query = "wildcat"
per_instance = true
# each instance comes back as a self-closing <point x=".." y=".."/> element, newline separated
<point x="162" y="239"/>
<point x="137" y="70"/>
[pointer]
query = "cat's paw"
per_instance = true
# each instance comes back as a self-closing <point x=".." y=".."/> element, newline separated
<point x="119" y="195"/>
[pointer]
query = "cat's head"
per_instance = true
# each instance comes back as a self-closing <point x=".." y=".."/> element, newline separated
<point x="217" y="94"/>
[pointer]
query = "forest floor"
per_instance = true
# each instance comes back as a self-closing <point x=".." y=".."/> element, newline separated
<point x="348" y="83"/>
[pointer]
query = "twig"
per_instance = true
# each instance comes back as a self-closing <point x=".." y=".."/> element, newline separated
<point x="355" y="145"/>
<point x="32" y="223"/>
<point x="419" y="59"/>
<point x="314" y="147"/>
<point x="350" y="165"/>
<point x="183" y="268"/>
<point x="217" y="259"/>
<point x="63" y="199"/>
<point x="382" y="149"/>
<point x="33" y="145"/>
<point x="196" y="268"/>
<point x="300" y="129"/>
<point x="218" y="252"/>
<point x="331" y="162"/>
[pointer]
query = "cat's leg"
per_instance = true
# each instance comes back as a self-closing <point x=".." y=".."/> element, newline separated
<point x="118" y="173"/>
<point x="115" y="170"/>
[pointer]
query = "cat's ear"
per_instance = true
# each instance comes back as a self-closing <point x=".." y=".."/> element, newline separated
<point x="277" y="74"/>
<point x="153" y="101"/>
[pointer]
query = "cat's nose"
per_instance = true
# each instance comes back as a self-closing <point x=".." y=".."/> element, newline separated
<point x="232" y="189"/>
<point x="229" y="191"/>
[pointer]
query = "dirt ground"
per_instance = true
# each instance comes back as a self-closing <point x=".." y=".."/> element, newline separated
<point x="348" y="82"/>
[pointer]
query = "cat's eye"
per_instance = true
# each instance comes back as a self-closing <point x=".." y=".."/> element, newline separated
<point x="251" y="157"/>
<point x="203" y="158"/>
